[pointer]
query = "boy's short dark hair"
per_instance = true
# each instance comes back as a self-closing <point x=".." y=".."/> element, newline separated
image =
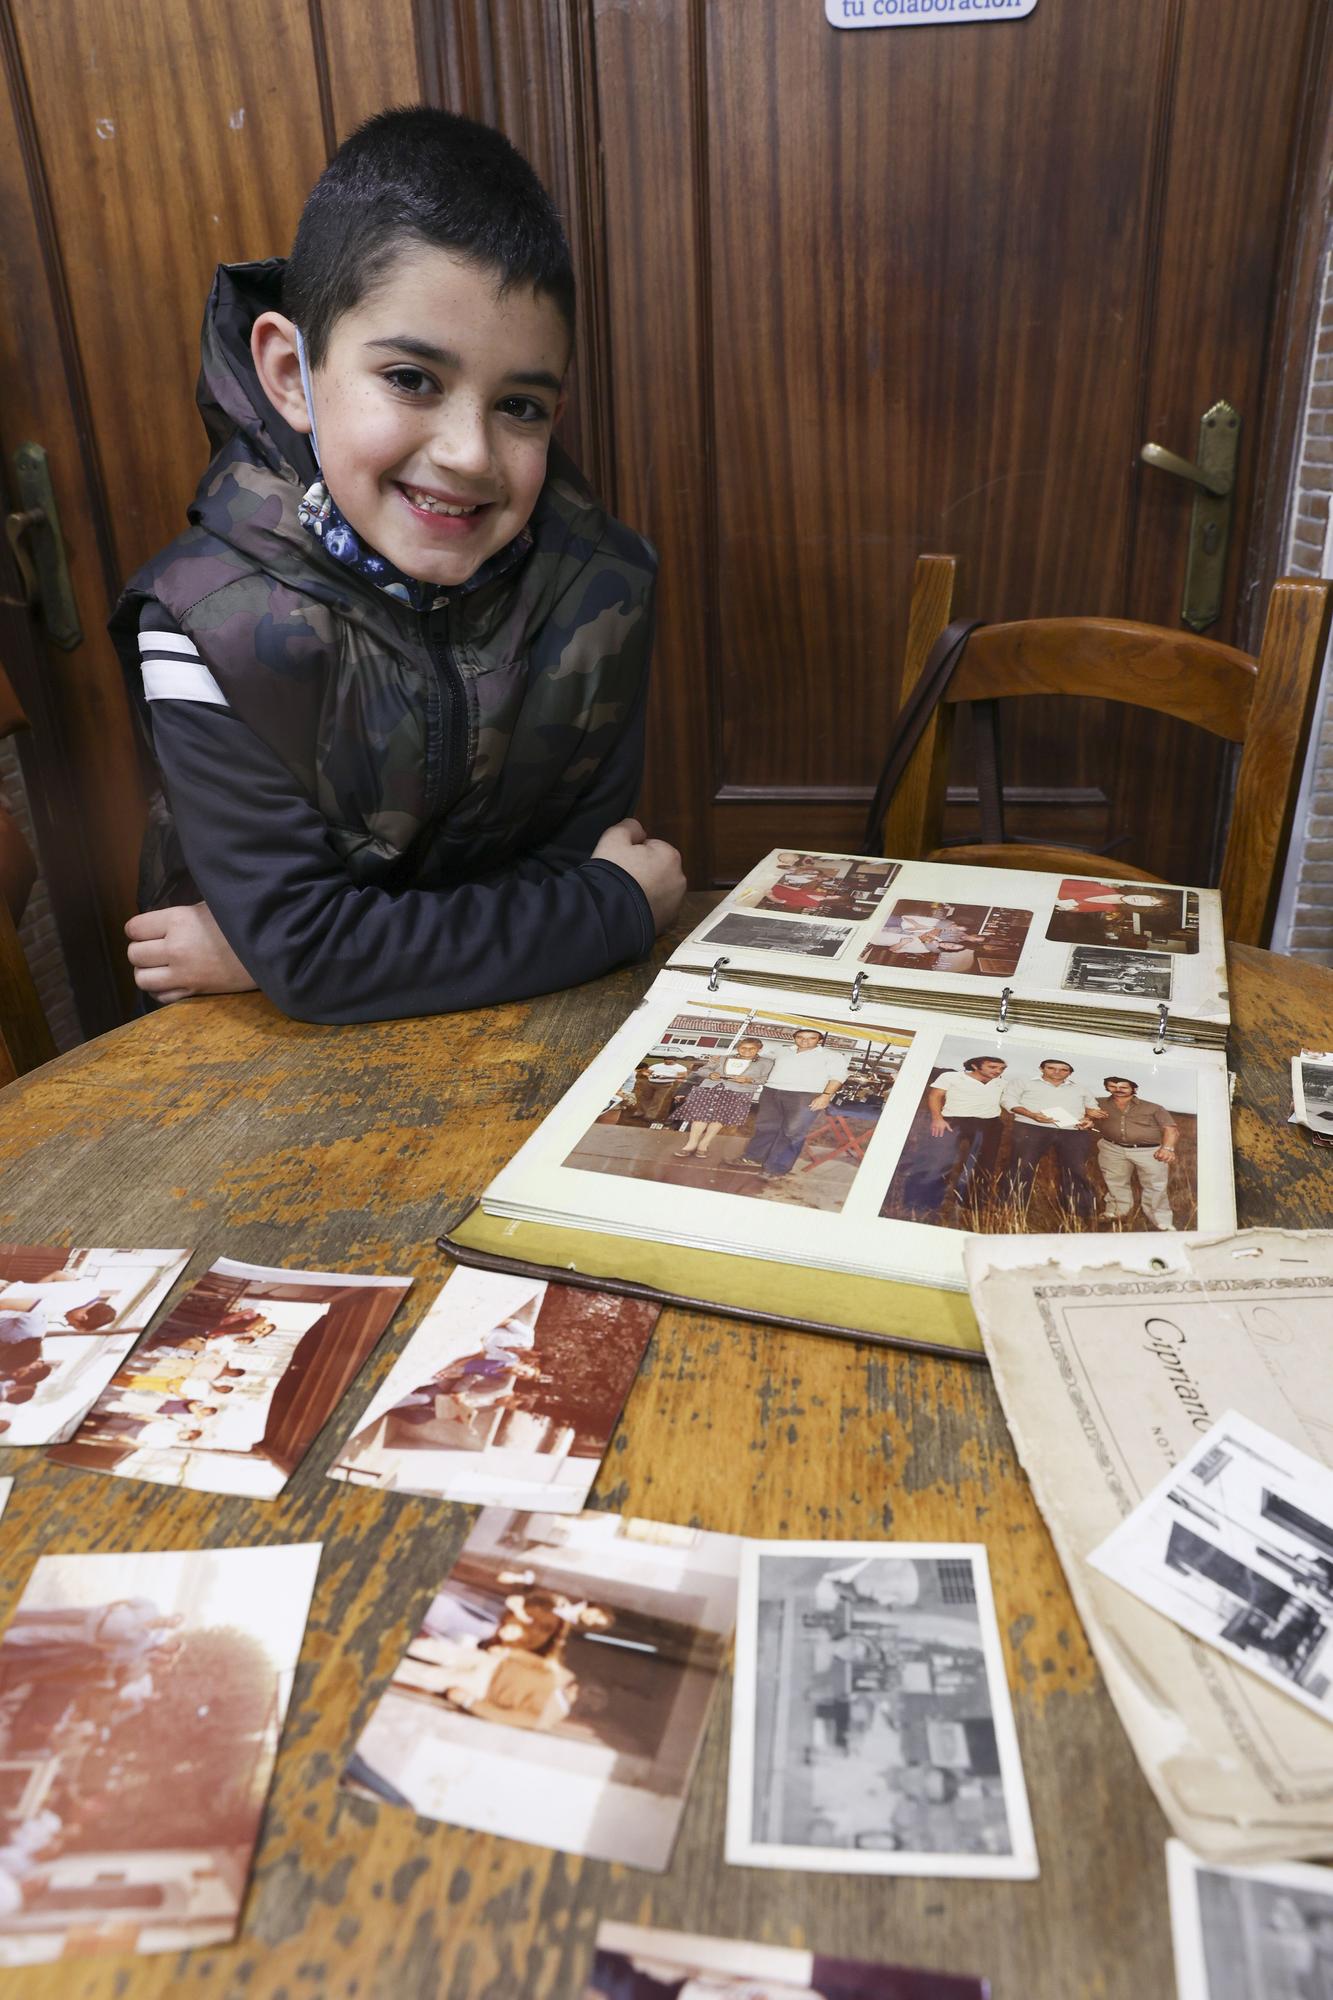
<point x="427" y="176"/>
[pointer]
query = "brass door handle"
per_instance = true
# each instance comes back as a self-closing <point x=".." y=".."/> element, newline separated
<point x="1214" y="479"/>
<point x="33" y="533"/>
<point x="1219" y="483"/>
<point x="16" y="527"/>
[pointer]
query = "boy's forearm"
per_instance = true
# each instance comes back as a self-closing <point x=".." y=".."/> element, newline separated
<point x="325" y="950"/>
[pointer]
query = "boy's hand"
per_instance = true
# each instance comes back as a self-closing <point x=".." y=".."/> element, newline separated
<point x="180" y="952"/>
<point x="654" y="864"/>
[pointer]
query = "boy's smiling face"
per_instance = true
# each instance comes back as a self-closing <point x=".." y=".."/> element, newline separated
<point x="434" y="405"/>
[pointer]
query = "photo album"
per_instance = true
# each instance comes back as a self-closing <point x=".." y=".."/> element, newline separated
<point x="758" y="1105"/>
<point x="1100" y="955"/>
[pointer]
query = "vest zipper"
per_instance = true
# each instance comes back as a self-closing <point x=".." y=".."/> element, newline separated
<point x="449" y="768"/>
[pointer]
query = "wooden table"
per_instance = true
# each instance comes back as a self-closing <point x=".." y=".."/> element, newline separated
<point x="220" y="1124"/>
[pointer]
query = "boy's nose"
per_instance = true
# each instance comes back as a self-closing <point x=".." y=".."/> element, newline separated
<point x="461" y="442"/>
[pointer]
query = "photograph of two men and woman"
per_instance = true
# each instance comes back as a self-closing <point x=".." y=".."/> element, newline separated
<point x="772" y="1106"/>
<point x="1014" y="1142"/>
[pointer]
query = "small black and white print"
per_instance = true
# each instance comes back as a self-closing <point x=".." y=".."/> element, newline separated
<point x="756" y="933"/>
<point x="1137" y="975"/>
<point x="872" y="1732"/>
<point x="1250" y="1933"/>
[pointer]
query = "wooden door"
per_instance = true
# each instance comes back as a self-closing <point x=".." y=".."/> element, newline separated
<point x="844" y="297"/>
<point x="867" y="294"/>
<point x="141" y="142"/>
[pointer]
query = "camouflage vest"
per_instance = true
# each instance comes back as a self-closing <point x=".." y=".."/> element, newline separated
<point x="434" y="746"/>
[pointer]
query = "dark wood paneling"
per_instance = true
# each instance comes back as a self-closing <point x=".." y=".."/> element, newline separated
<point x="80" y="761"/>
<point x="173" y="143"/>
<point x="527" y="67"/>
<point x="371" y="65"/>
<point x="651" y="82"/>
<point x="919" y="245"/>
<point x="1235" y="115"/>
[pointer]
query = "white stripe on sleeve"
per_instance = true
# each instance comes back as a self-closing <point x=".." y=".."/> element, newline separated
<point x="168" y="642"/>
<point x="181" y="680"/>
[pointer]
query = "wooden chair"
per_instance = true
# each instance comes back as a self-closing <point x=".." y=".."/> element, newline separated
<point x="25" y="1037"/>
<point x="1266" y="705"/>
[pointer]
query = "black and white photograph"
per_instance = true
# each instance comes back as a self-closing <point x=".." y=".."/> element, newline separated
<point x="1131" y="916"/>
<point x="68" y="1318"/>
<point x="871" y="1726"/>
<point x="1250" y="1933"/>
<point x="817" y="885"/>
<point x="1012" y="1140"/>
<point x="1312" y="1091"/>
<point x="506" y="1394"/>
<point x="560" y="1683"/>
<point x="1236" y="1546"/>
<point x="759" y="933"/>
<point x="774" y="1108"/>
<point x="632" y="1963"/>
<point x="142" y="1697"/>
<point x="976" y="938"/>
<point x="1140" y="975"/>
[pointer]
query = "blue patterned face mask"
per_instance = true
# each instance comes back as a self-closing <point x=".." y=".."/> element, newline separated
<point x="319" y="512"/>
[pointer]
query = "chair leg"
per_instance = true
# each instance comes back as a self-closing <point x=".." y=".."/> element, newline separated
<point x="25" y="1038"/>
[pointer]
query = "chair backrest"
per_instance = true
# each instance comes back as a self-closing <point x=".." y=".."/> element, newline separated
<point x="1265" y="705"/>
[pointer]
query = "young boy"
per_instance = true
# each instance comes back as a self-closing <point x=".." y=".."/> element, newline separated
<point x="394" y="673"/>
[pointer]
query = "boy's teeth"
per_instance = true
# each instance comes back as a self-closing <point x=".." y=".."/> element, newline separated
<point x="433" y="505"/>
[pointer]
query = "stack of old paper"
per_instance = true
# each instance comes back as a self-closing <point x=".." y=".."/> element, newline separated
<point x="1112" y="1359"/>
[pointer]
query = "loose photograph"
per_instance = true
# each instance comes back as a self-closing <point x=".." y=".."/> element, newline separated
<point x="1236" y="1546"/>
<point x="1312" y="1091"/>
<point x="772" y="1107"/>
<point x="141" y="1702"/>
<point x="632" y="1963"/>
<point x="756" y="933"/>
<point x="67" y="1318"/>
<point x="1131" y="916"/>
<point x="818" y="885"/>
<point x="871" y="1730"/>
<point x="1139" y="975"/>
<point x="233" y="1386"/>
<point x="974" y="938"/>
<point x="558" y="1689"/>
<point x="1007" y="1142"/>
<point x="1250" y="1933"/>
<point x="506" y="1394"/>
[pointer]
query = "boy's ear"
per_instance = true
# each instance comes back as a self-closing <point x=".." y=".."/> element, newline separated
<point x="273" y="350"/>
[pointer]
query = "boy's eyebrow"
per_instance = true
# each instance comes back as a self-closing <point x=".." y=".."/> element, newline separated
<point x="445" y="357"/>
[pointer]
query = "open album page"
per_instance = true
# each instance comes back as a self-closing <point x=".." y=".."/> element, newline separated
<point x="870" y="1142"/>
<point x="1083" y="944"/>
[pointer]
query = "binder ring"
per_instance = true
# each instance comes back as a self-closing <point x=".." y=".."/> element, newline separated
<point x="1002" y="1018"/>
<point x="713" y="981"/>
<point x="857" y="984"/>
<point x="1160" y="1043"/>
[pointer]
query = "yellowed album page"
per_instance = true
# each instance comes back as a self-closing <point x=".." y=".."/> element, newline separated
<point x="1112" y="1360"/>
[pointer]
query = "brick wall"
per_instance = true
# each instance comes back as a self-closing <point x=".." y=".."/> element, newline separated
<point x="1304" y="924"/>
<point x="37" y="932"/>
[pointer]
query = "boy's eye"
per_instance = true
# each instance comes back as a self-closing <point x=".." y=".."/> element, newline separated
<point x="410" y="381"/>
<point x="526" y="408"/>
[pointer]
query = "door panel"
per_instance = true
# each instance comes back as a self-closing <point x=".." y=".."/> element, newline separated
<point x="878" y="293"/>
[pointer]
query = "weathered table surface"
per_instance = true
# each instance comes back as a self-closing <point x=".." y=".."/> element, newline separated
<point x="222" y="1125"/>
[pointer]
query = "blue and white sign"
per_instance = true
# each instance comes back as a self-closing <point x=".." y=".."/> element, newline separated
<point x="916" y="13"/>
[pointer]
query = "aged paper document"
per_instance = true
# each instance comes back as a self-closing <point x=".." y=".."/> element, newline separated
<point x="1112" y="1359"/>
